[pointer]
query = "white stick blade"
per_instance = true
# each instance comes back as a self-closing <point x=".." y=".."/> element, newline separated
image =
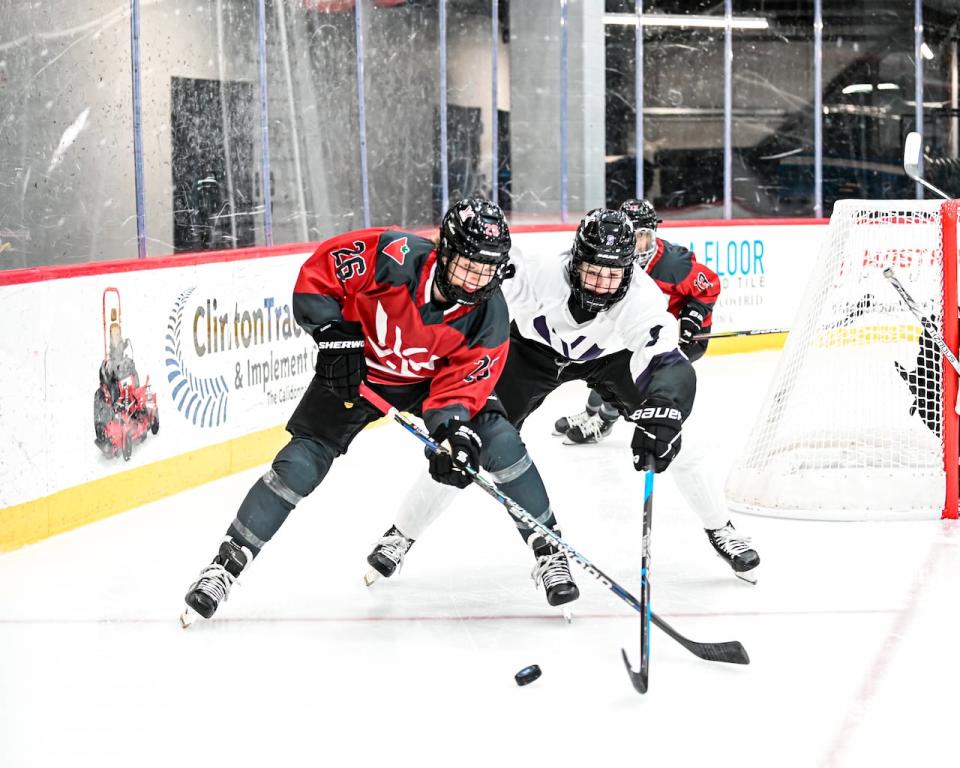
<point x="912" y="148"/>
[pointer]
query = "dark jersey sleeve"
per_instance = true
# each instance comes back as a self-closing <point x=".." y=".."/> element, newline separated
<point x="341" y="265"/>
<point x="670" y="377"/>
<point x="690" y="285"/>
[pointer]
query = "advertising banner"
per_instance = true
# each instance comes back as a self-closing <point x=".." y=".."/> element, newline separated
<point x="110" y="369"/>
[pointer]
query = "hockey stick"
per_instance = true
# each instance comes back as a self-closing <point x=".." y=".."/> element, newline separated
<point x="928" y="326"/>
<point x="912" y="148"/>
<point x="731" y="652"/>
<point x="858" y="310"/>
<point x="734" y="334"/>
<point x="640" y="679"/>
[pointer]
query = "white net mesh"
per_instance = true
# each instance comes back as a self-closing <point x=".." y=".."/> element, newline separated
<point x="851" y="426"/>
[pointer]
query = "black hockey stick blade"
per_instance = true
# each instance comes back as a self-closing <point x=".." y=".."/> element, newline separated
<point x="730" y="652"/>
<point x="639" y="679"/>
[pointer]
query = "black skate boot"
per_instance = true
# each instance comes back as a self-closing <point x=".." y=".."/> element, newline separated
<point x="553" y="571"/>
<point x="213" y="585"/>
<point x="562" y="425"/>
<point x="387" y="556"/>
<point x="589" y="431"/>
<point x="736" y="551"/>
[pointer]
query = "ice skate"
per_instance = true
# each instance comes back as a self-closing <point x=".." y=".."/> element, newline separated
<point x="387" y="556"/>
<point x="213" y="585"/>
<point x="736" y="551"/>
<point x="588" y="431"/>
<point x="565" y="423"/>
<point x="553" y="571"/>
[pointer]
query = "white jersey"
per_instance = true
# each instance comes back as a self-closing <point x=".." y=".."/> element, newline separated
<point x="537" y="298"/>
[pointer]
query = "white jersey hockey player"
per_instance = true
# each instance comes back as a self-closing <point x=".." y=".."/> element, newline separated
<point x="589" y="316"/>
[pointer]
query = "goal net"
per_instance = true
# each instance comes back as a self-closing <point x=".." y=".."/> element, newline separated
<point x="859" y="422"/>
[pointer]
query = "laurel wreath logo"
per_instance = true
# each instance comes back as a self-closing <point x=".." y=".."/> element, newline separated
<point x="201" y="400"/>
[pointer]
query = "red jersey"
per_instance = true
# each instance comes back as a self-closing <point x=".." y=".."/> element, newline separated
<point x="383" y="279"/>
<point x="683" y="279"/>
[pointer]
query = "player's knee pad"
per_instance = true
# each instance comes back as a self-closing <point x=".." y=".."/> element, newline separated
<point x="299" y="468"/>
<point x="505" y="458"/>
<point x="295" y="472"/>
<point x="503" y="455"/>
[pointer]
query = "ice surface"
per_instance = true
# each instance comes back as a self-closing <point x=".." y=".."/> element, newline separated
<point x="850" y="628"/>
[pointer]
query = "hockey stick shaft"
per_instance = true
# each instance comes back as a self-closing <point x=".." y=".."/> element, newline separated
<point x="645" y="571"/>
<point x="927" y="324"/>
<point x="731" y="652"/>
<point x="734" y="334"/>
<point x="641" y="679"/>
<point x="859" y="308"/>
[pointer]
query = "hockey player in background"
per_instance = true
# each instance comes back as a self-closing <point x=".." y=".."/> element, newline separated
<point x="590" y="316"/>
<point x="427" y="328"/>
<point x="691" y="289"/>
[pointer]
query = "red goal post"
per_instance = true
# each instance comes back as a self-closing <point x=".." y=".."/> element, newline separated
<point x="860" y="421"/>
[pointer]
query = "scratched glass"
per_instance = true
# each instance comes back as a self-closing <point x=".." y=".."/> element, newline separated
<point x="66" y="138"/>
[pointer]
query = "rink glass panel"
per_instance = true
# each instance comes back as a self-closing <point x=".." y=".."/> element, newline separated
<point x="772" y="134"/>
<point x="534" y="116"/>
<point x="401" y="62"/>
<point x="66" y="139"/>
<point x="314" y="125"/>
<point x="201" y="130"/>
<point x="683" y="119"/>
<point x="868" y="103"/>
<point x="621" y="115"/>
<point x="469" y="102"/>
<point x="941" y="110"/>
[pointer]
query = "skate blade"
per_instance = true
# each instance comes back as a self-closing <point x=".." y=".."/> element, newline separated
<point x="567" y="612"/>
<point x="371" y="577"/>
<point x="748" y="576"/>
<point x="188" y="617"/>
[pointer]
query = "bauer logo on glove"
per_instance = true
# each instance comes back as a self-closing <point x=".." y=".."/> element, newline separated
<point x="655" y="412"/>
<point x="657" y="433"/>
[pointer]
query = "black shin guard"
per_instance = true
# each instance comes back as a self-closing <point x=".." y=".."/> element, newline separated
<point x="296" y="471"/>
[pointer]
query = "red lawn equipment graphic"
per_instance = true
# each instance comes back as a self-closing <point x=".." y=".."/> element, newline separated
<point x="123" y="411"/>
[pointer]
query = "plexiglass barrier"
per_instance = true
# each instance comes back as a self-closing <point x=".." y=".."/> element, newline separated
<point x="278" y="121"/>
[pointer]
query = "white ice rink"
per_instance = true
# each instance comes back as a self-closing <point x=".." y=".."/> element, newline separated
<point x="850" y="630"/>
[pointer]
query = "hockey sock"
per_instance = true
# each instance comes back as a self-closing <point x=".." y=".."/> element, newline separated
<point x="609" y="413"/>
<point x="699" y="487"/>
<point x="423" y="504"/>
<point x="594" y="403"/>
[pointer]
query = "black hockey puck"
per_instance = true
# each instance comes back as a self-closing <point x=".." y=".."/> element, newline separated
<point x="527" y="675"/>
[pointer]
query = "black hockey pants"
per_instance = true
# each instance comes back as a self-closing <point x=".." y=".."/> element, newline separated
<point x="322" y="428"/>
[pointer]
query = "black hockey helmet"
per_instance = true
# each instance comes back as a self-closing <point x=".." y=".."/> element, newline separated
<point x="644" y="217"/>
<point x="604" y="238"/>
<point x="475" y="229"/>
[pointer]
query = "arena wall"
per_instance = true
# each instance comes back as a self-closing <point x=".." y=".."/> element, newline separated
<point x="215" y="336"/>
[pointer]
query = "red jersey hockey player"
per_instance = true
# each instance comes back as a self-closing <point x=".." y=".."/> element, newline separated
<point x="426" y="326"/>
<point x="585" y="315"/>
<point x="692" y="290"/>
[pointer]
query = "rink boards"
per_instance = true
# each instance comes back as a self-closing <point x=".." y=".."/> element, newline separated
<point x="215" y="335"/>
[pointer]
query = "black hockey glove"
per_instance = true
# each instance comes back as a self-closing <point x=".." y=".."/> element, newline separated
<point x="658" y="432"/>
<point x="463" y="444"/>
<point x="691" y="321"/>
<point x="341" y="366"/>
